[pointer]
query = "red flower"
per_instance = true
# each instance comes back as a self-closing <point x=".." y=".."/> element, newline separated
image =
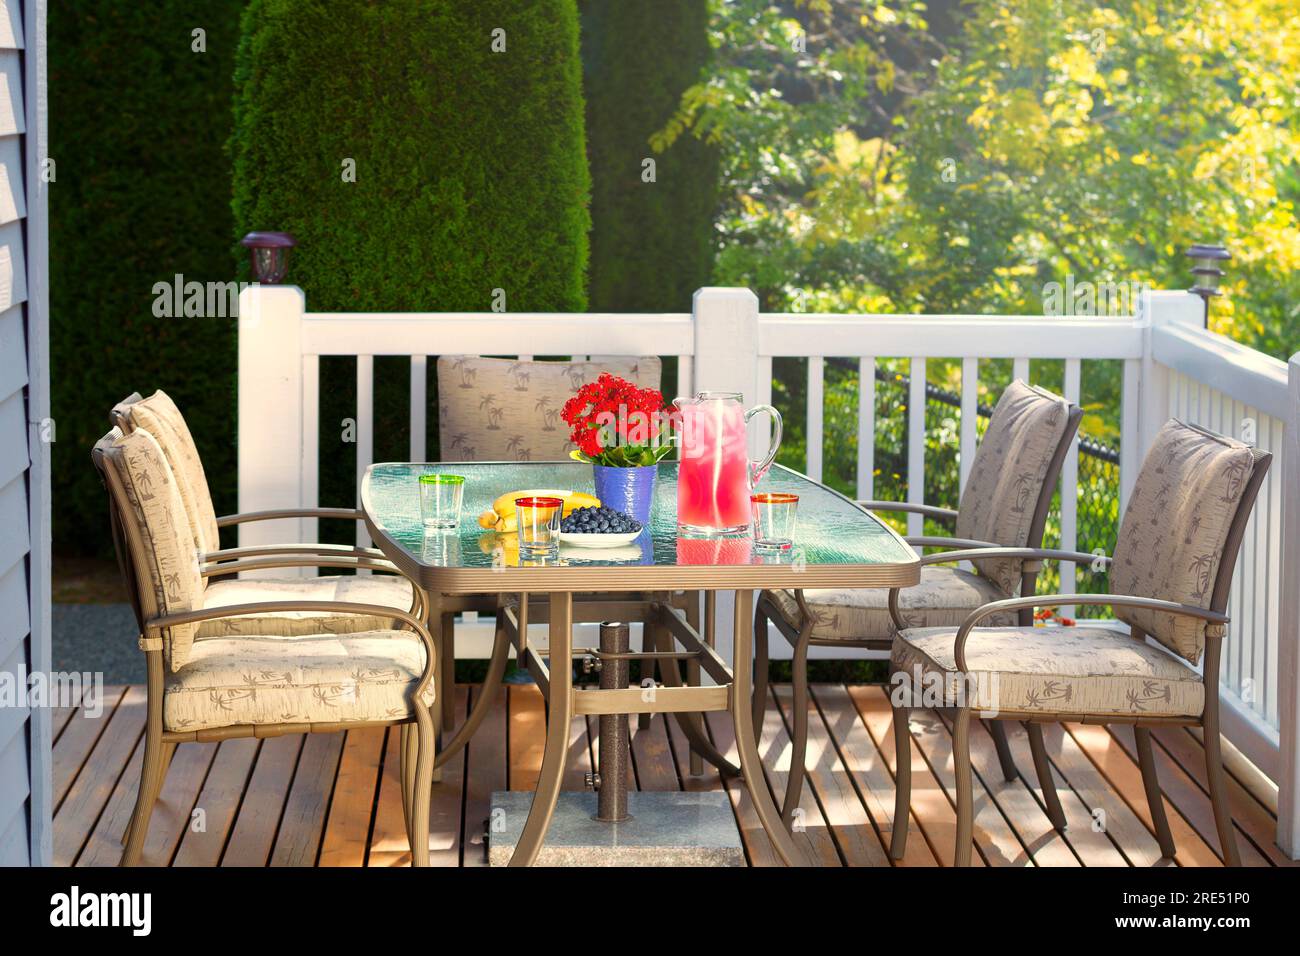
<point x="616" y="410"/>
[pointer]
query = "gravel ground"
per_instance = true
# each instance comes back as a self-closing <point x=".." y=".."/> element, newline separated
<point x="97" y="637"/>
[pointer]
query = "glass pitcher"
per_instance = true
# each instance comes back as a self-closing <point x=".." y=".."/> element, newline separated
<point x="715" y="475"/>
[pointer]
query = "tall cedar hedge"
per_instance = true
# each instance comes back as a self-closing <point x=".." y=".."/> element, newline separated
<point x="651" y="242"/>
<point x="470" y="170"/>
<point x="138" y="121"/>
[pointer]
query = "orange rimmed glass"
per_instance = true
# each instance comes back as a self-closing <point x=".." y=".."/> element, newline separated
<point x="539" y="526"/>
<point x="774" y="515"/>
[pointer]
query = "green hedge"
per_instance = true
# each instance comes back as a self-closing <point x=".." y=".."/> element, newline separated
<point x="470" y="171"/>
<point x="651" y="243"/>
<point x="137" y="125"/>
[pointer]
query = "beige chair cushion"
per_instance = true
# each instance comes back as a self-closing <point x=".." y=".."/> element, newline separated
<point x="945" y="596"/>
<point x="1006" y="478"/>
<point x="1089" y="671"/>
<point x="505" y="410"/>
<point x="159" y="416"/>
<point x="170" y="566"/>
<point x="252" y="679"/>
<point x="382" y="589"/>
<point x="1174" y="530"/>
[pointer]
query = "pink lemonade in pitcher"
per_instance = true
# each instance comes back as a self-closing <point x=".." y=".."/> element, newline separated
<point x="714" y="473"/>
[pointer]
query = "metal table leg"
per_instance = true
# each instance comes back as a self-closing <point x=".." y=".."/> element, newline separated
<point x="558" y="718"/>
<point x="486" y="695"/>
<point x="751" y="764"/>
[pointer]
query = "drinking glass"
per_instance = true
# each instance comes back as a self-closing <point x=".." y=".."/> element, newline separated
<point x="440" y="498"/>
<point x="774" y="519"/>
<point x="539" y="526"/>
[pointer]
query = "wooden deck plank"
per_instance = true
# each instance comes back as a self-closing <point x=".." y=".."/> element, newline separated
<point x="171" y="814"/>
<point x="219" y="800"/>
<point x="333" y="799"/>
<point x="1092" y="846"/>
<point x="930" y="804"/>
<point x="388" y="843"/>
<point x="1252" y="818"/>
<point x="446" y="806"/>
<point x="487" y="769"/>
<point x="1125" y="779"/>
<point x="351" y="810"/>
<point x="302" y="825"/>
<point x="652" y="757"/>
<point x="527" y="741"/>
<point x="93" y="785"/>
<point x="846" y="817"/>
<point x="1116" y="818"/>
<point x="253" y="837"/>
<point x="60" y="716"/>
<point x="1185" y="797"/>
<point x="1019" y="806"/>
<point x="78" y="740"/>
<point x="758" y="848"/>
<point x="870" y="771"/>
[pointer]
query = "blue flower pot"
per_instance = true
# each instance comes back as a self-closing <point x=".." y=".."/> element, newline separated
<point x="629" y="490"/>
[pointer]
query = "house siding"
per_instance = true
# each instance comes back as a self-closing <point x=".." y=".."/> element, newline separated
<point x="24" y="406"/>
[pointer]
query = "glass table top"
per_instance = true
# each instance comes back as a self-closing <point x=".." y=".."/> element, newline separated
<point x="835" y="541"/>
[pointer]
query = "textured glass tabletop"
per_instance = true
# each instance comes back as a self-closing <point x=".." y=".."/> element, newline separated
<point x="836" y="542"/>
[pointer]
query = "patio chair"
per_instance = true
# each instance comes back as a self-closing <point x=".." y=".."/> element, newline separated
<point x="1169" y="576"/>
<point x="1004" y="503"/>
<point x="159" y="416"/>
<point x="246" y="684"/>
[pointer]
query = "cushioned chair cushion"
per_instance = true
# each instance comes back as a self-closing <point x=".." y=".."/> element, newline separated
<point x="1050" y="670"/>
<point x="1007" y="476"/>
<point x="505" y="410"/>
<point x="1175" y="527"/>
<point x="382" y="589"/>
<point x="169" y="566"/>
<point x="159" y="416"/>
<point x="945" y="596"/>
<point x="259" y="679"/>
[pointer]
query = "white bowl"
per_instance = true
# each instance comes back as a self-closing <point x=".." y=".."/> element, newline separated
<point x="598" y="540"/>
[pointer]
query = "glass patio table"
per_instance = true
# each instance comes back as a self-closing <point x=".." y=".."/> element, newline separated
<point x="836" y="544"/>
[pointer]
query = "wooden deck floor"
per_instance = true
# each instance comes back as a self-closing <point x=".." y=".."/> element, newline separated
<point x="334" y="800"/>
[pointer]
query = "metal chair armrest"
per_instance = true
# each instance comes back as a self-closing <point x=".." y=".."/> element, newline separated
<point x="295" y="561"/>
<point x="1216" y="618"/>
<point x="930" y="541"/>
<point x="231" y="554"/>
<point x="1026" y="554"/>
<point x="352" y="514"/>
<point x="931" y="511"/>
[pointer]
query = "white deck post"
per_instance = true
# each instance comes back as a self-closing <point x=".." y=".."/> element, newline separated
<point x="726" y="360"/>
<point x="270" y="411"/>
<point x="1288" y="676"/>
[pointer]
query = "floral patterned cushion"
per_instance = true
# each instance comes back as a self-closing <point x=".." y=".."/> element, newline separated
<point x="169" y="564"/>
<point x="382" y="589"/>
<point x="159" y="416"/>
<point x="506" y="410"/>
<point x="1090" y="671"/>
<point x="1175" y="528"/>
<point x="1007" y="476"/>
<point x="227" y="682"/>
<point x="945" y="596"/>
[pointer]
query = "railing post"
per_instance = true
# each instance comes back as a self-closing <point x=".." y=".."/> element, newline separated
<point x="726" y="360"/>
<point x="1288" y="655"/>
<point x="270" y="410"/>
<point x="1148" y="381"/>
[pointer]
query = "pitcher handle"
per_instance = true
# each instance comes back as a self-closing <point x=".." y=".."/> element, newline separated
<point x="757" y="469"/>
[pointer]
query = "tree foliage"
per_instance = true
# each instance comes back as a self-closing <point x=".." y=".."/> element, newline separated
<point x="652" y="225"/>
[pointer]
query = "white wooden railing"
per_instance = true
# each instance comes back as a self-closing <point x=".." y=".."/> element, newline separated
<point x="1171" y="367"/>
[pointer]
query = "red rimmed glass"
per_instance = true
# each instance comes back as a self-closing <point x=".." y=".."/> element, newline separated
<point x="774" y="515"/>
<point x="539" y="525"/>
